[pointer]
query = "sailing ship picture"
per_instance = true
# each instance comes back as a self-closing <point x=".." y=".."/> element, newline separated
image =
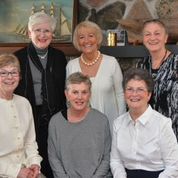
<point x="16" y="14"/>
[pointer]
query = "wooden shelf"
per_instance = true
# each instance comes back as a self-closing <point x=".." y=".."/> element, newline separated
<point x="131" y="51"/>
<point x="128" y="51"/>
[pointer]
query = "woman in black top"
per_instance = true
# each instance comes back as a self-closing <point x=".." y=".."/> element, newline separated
<point x="162" y="64"/>
<point x="42" y="78"/>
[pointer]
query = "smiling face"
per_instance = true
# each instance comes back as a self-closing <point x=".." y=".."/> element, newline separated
<point x="154" y="36"/>
<point x="87" y="40"/>
<point x="41" y="35"/>
<point x="9" y="79"/>
<point x="78" y="95"/>
<point x="137" y="95"/>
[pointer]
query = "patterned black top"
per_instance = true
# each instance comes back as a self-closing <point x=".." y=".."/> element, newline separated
<point x="165" y="95"/>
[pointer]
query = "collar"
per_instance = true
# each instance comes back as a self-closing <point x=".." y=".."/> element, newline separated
<point x="144" y="118"/>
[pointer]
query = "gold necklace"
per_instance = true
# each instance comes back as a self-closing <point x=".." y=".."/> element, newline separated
<point x="90" y="63"/>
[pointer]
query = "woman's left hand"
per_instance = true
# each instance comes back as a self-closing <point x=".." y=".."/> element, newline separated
<point x="36" y="171"/>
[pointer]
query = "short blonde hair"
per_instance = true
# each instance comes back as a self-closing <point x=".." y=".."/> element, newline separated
<point x="90" y="25"/>
<point x="40" y="18"/>
<point x="9" y="60"/>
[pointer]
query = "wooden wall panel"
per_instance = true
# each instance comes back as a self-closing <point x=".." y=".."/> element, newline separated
<point x="67" y="48"/>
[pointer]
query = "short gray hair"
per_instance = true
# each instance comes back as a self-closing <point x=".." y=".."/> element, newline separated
<point x="77" y="78"/>
<point x="90" y="25"/>
<point x="40" y="18"/>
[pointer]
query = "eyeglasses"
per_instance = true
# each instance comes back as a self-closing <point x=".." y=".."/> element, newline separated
<point x="6" y="73"/>
<point x="131" y="90"/>
<point x="38" y="31"/>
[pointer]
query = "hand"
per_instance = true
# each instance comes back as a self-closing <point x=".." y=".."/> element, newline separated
<point x="35" y="170"/>
<point x="24" y="173"/>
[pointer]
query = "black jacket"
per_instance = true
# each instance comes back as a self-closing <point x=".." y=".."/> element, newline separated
<point x="55" y="78"/>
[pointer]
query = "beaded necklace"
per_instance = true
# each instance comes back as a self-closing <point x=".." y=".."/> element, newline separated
<point x="90" y="63"/>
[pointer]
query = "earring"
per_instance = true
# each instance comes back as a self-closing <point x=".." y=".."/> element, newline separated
<point x="68" y="104"/>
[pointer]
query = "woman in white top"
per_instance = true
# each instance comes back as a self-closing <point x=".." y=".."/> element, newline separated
<point x="144" y="144"/>
<point x="103" y="70"/>
<point x="19" y="157"/>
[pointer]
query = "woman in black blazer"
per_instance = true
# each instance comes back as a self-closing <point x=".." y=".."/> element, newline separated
<point x="42" y="78"/>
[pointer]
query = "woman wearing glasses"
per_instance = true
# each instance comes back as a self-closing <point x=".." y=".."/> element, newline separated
<point x="18" y="151"/>
<point x="43" y="78"/>
<point x="144" y="144"/>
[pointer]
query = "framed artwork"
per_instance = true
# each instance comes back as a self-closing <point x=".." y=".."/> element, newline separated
<point x="129" y="15"/>
<point x="14" y="17"/>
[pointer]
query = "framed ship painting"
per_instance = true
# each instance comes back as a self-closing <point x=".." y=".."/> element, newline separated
<point x="14" y="17"/>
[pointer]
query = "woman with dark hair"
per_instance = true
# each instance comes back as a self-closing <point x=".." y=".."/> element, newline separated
<point x="144" y="144"/>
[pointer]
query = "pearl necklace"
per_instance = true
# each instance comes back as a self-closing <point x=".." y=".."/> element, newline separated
<point x="90" y="63"/>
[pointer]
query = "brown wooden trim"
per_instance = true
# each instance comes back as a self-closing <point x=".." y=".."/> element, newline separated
<point x="67" y="48"/>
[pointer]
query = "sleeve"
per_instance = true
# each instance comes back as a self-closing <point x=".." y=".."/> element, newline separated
<point x="73" y="66"/>
<point x="103" y="168"/>
<point x="169" y="151"/>
<point x="116" y="164"/>
<point x="68" y="69"/>
<point x="53" y="153"/>
<point x="31" y="147"/>
<point x="8" y="169"/>
<point x="117" y="79"/>
<point x="172" y="99"/>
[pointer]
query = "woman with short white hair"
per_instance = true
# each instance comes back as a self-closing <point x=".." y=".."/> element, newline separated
<point x="42" y="78"/>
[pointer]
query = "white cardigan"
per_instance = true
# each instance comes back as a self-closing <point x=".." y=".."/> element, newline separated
<point x="17" y="136"/>
<point x="107" y="92"/>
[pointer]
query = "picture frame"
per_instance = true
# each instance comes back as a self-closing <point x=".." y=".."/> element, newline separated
<point x="130" y="15"/>
<point x="15" y="14"/>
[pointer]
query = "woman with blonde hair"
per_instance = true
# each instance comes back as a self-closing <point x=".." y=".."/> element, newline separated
<point x="104" y="71"/>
